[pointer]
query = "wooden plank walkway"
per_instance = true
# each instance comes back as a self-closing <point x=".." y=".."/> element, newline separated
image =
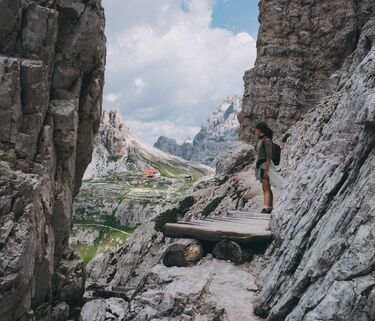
<point x="242" y="227"/>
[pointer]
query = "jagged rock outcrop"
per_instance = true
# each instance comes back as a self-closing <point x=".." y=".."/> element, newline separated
<point x="113" y="146"/>
<point x="212" y="290"/>
<point x="52" y="56"/>
<point x="299" y="46"/>
<point x="219" y="133"/>
<point x="170" y="146"/>
<point x="323" y="266"/>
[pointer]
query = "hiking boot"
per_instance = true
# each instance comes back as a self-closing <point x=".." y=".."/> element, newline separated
<point x="267" y="210"/>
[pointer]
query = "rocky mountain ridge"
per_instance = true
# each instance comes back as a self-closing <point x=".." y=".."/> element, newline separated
<point x="114" y="181"/>
<point x="217" y="134"/>
<point x="118" y="151"/>
<point x="170" y="146"/>
<point x="52" y="57"/>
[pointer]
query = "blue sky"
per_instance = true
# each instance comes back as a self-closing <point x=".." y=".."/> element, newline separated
<point x="170" y="63"/>
<point x="236" y="15"/>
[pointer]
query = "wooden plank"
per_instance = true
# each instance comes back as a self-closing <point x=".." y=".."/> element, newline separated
<point x="237" y="220"/>
<point x="248" y="214"/>
<point x="245" y="234"/>
<point x="258" y="217"/>
<point x="242" y="219"/>
<point x="227" y="227"/>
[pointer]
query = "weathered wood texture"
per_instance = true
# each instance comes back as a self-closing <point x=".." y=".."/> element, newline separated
<point x="182" y="253"/>
<point x="228" y="250"/>
<point x="242" y="227"/>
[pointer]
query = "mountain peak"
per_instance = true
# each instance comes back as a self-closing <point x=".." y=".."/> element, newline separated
<point x="112" y="117"/>
<point x="188" y="140"/>
<point x="218" y="133"/>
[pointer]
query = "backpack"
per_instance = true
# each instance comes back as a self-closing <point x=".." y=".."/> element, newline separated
<point x="276" y="153"/>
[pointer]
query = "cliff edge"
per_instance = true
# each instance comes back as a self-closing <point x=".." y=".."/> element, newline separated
<point x="52" y="57"/>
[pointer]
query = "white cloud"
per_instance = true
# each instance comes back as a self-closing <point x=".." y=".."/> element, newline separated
<point x="168" y="65"/>
<point x="139" y="85"/>
<point x="111" y="97"/>
<point x="149" y="132"/>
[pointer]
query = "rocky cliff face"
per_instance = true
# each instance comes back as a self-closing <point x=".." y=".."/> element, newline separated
<point x="300" y="45"/>
<point x="51" y="70"/>
<point x="170" y="146"/>
<point x="113" y="146"/>
<point x="322" y="265"/>
<point x="219" y="133"/>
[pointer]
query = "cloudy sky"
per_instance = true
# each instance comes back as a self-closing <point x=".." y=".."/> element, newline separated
<point x="171" y="62"/>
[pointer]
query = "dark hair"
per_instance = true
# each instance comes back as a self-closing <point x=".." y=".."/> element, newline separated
<point x="263" y="127"/>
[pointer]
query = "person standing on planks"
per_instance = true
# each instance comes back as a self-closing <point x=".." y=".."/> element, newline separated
<point x="265" y="170"/>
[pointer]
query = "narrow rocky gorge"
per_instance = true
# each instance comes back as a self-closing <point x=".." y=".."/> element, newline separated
<point x="313" y="82"/>
<point x="52" y="57"/>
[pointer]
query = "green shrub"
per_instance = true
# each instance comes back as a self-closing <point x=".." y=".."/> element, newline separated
<point x="113" y="158"/>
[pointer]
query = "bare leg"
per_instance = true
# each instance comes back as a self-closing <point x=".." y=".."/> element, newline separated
<point x="267" y="193"/>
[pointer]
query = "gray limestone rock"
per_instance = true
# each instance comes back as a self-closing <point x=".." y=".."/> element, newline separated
<point x="170" y="146"/>
<point x="235" y="159"/>
<point x="44" y="122"/>
<point x="104" y="310"/>
<point x="300" y="45"/>
<point x="218" y="134"/>
<point x="324" y="220"/>
<point x="212" y="290"/>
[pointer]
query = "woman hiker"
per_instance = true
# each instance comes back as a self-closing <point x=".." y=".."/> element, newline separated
<point x="265" y="170"/>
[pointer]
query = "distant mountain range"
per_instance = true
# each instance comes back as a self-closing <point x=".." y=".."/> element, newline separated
<point x="117" y="151"/>
<point x="217" y="134"/>
<point x="115" y="193"/>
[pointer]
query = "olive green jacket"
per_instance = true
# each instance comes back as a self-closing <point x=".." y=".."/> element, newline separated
<point x="264" y="150"/>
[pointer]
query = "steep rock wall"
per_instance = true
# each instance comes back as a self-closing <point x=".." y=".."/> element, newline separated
<point x="52" y="56"/>
<point x="323" y="267"/>
<point x="170" y="146"/>
<point x="322" y="262"/>
<point x="300" y="45"/>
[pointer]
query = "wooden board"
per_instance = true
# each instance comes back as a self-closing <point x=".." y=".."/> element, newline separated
<point x="248" y="214"/>
<point x="240" y="229"/>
